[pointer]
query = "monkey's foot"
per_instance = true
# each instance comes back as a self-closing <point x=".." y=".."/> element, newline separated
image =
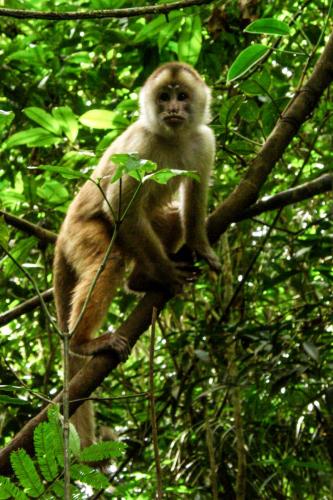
<point x="119" y="344"/>
<point x="113" y="342"/>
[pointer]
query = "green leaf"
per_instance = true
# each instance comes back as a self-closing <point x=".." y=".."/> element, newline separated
<point x="4" y="232"/>
<point x="26" y="473"/>
<point x="32" y="137"/>
<point x="190" y="40"/>
<point x="268" y="26"/>
<point x="56" y="433"/>
<point x="53" y="192"/>
<point x="150" y="29"/>
<point x="79" y="57"/>
<point x="246" y="60"/>
<point x="20" y="252"/>
<point x="257" y="85"/>
<point x="66" y="172"/>
<point x="74" y="441"/>
<point x="87" y="475"/>
<point x="169" y="29"/>
<point x="12" y="401"/>
<point x="164" y="175"/>
<point x="67" y="120"/>
<point x="43" y="442"/>
<point x="311" y="350"/>
<point x="249" y="111"/>
<point x="43" y="119"/>
<point x="132" y="165"/>
<point x="101" y="451"/>
<point x="6" y="118"/>
<point x="97" y="118"/>
<point x="229" y="109"/>
<point x="9" y="490"/>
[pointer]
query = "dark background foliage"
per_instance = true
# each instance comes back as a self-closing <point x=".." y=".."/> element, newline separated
<point x="272" y="356"/>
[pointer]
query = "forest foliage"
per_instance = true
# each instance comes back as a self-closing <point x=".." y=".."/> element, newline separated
<point x="243" y="360"/>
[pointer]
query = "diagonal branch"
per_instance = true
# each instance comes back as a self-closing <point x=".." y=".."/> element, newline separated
<point x="101" y="14"/>
<point x="94" y="372"/>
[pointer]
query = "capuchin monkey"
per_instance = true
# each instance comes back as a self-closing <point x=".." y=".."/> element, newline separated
<point x="171" y="131"/>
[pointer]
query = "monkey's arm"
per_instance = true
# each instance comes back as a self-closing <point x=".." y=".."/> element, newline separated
<point x="194" y="213"/>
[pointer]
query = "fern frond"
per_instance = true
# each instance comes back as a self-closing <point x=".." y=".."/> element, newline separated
<point x="9" y="490"/>
<point x="101" y="451"/>
<point x="26" y="473"/>
<point x="74" y="441"/>
<point x="56" y="433"/>
<point x="58" y="489"/>
<point x="44" y="450"/>
<point x="90" y="476"/>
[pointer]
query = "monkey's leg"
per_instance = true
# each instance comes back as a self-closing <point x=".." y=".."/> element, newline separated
<point x="87" y="316"/>
<point x="81" y="247"/>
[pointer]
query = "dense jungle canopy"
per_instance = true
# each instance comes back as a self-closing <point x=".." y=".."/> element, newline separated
<point x="243" y="361"/>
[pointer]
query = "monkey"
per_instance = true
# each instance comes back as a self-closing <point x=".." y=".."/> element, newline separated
<point x="172" y="131"/>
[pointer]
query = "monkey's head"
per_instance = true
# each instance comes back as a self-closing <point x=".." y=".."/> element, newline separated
<point x="174" y="99"/>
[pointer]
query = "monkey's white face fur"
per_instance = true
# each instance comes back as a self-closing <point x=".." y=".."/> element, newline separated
<point x="174" y="99"/>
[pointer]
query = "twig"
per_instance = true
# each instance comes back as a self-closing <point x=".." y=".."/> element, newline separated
<point x="152" y="406"/>
<point x="29" y="228"/>
<point x="27" y="306"/>
<point x="100" y="14"/>
<point x="322" y="184"/>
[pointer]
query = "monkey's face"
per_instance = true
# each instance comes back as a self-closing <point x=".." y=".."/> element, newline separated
<point x="174" y="105"/>
<point x="174" y="100"/>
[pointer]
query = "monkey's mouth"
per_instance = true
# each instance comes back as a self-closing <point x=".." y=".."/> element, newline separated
<point x="174" y="119"/>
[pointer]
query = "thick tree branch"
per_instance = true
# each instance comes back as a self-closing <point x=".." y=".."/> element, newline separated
<point x="94" y="372"/>
<point x="29" y="228"/>
<point x="100" y="14"/>
<point x="296" y="113"/>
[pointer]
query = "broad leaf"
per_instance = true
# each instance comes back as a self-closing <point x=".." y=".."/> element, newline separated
<point x="43" y="119"/>
<point x="32" y="137"/>
<point x="246" y="60"/>
<point x="268" y="26"/>
<point x="97" y="118"/>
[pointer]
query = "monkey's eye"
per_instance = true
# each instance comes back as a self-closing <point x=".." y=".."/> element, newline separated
<point x="182" y="96"/>
<point x="164" y="96"/>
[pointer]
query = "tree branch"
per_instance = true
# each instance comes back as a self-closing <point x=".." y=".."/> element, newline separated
<point x="29" y="228"/>
<point x="27" y="306"/>
<point x="101" y="14"/>
<point x="296" y="113"/>
<point x="94" y="372"/>
<point x="322" y="184"/>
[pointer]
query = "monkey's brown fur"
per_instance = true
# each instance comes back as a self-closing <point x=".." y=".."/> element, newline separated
<point x="171" y="131"/>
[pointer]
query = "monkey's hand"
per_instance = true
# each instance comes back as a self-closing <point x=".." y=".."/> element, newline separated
<point x="170" y="277"/>
<point x="109" y="342"/>
<point x="205" y="251"/>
